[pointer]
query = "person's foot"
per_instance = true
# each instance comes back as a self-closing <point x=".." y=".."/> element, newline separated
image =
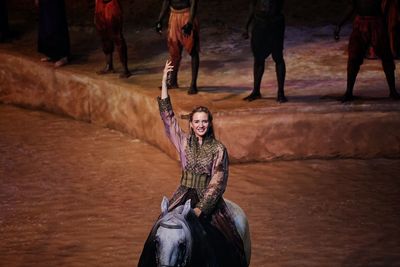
<point x="394" y="95"/>
<point x="192" y="90"/>
<point x="61" y="62"/>
<point x="45" y="59"/>
<point x="253" y="96"/>
<point x="107" y="69"/>
<point x="125" y="74"/>
<point x="347" y="98"/>
<point x="281" y="98"/>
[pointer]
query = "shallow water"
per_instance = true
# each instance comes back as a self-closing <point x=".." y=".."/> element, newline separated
<point x="74" y="194"/>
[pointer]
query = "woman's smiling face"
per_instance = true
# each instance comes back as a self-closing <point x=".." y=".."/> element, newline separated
<point x="200" y="124"/>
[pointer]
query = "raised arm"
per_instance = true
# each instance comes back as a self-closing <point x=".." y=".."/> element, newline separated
<point x="216" y="188"/>
<point x="164" y="89"/>
<point x="172" y="129"/>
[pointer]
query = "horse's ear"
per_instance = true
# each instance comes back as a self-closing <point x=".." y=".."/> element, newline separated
<point x="186" y="208"/>
<point x="164" y="205"/>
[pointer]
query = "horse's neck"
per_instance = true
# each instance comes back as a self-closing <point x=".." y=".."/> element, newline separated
<point x="202" y="254"/>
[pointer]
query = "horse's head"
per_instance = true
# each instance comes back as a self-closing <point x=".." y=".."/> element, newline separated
<point x="173" y="237"/>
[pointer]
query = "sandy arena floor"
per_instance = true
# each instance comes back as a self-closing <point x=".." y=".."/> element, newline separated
<point x="73" y="194"/>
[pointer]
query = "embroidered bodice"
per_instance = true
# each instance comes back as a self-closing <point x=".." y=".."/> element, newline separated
<point x="204" y="167"/>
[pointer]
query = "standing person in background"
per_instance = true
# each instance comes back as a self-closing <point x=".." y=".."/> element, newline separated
<point x="393" y="23"/>
<point x="108" y="20"/>
<point x="267" y="38"/>
<point x="369" y="27"/>
<point x="53" y="35"/>
<point x="3" y="21"/>
<point x="183" y="33"/>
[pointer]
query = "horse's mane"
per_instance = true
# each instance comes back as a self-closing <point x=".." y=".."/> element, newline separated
<point x="202" y="255"/>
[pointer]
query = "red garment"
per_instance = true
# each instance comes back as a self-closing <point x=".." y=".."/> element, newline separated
<point x="108" y="20"/>
<point x="176" y="40"/>
<point x="366" y="31"/>
<point x="108" y="16"/>
<point x="391" y="11"/>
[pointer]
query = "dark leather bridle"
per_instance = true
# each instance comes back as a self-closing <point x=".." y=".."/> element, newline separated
<point x="171" y="226"/>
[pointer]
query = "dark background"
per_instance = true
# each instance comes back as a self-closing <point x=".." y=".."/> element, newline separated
<point x="211" y="12"/>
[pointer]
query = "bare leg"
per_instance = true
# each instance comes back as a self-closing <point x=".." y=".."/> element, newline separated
<point x="109" y="67"/>
<point x="123" y="56"/>
<point x="258" y="72"/>
<point x="280" y="68"/>
<point x="352" y="71"/>
<point x="389" y="73"/>
<point x="195" y="70"/>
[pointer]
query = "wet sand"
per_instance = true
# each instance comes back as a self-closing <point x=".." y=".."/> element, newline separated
<point x="74" y="194"/>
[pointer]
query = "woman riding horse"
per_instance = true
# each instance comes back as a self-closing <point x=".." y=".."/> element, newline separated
<point x="204" y="162"/>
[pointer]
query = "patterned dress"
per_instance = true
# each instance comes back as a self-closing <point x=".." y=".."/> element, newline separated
<point x="203" y="181"/>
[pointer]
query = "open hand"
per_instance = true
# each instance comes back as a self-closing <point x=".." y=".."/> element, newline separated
<point x="168" y="68"/>
<point x="197" y="211"/>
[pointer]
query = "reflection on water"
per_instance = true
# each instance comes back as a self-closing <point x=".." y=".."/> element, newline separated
<point x="73" y="194"/>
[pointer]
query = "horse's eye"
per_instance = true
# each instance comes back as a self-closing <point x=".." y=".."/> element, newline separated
<point x="156" y="242"/>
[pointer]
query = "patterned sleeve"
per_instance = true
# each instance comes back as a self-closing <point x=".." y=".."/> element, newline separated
<point x="172" y="129"/>
<point x="215" y="189"/>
